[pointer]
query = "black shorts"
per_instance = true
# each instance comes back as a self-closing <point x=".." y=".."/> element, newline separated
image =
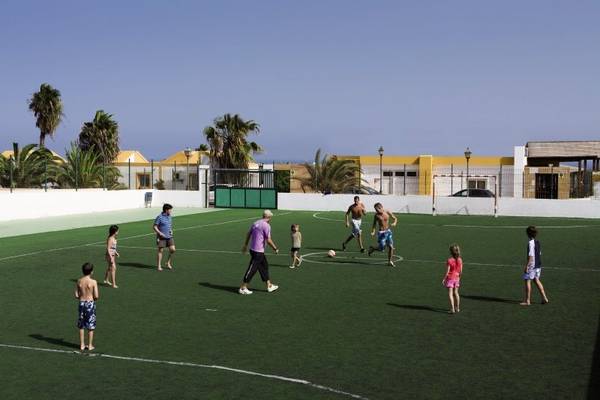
<point x="165" y="242"/>
<point x="295" y="249"/>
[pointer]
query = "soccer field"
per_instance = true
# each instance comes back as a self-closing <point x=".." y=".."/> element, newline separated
<point x="342" y="328"/>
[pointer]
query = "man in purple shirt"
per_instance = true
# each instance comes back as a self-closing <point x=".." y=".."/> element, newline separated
<point x="258" y="235"/>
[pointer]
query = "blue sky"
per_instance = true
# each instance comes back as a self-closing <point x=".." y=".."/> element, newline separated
<point x="417" y="77"/>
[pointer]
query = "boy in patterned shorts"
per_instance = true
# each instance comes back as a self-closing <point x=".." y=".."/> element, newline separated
<point x="86" y="291"/>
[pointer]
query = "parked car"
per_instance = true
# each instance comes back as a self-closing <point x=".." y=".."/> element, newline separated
<point x="362" y="190"/>
<point x="473" y="193"/>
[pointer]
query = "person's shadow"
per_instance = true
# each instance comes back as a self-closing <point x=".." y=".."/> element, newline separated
<point x="55" y="341"/>
<point x="224" y="288"/>
<point x="137" y="265"/>
<point x="488" y="298"/>
<point x="418" y="307"/>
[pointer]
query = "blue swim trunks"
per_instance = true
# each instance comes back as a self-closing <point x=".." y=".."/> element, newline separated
<point x="385" y="238"/>
<point x="87" y="315"/>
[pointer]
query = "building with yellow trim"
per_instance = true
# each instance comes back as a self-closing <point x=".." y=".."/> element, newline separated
<point x="175" y="172"/>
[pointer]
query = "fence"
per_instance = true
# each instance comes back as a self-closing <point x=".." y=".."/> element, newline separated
<point x="35" y="172"/>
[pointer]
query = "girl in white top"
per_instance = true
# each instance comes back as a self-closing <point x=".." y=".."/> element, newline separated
<point x="111" y="256"/>
<point x="296" y="245"/>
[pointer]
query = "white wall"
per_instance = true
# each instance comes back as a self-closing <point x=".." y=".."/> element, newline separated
<point x="575" y="208"/>
<point x="34" y="203"/>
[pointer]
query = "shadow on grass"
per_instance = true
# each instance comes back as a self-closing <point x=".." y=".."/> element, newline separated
<point x="278" y="265"/>
<point x="594" y="386"/>
<point x="489" y="298"/>
<point x="418" y="308"/>
<point x="58" y="342"/>
<point x="225" y="288"/>
<point x="337" y="248"/>
<point x="136" y="265"/>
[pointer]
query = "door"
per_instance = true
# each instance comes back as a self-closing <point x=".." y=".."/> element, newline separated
<point x="546" y="186"/>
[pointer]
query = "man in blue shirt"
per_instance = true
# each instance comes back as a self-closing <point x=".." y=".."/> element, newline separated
<point x="163" y="226"/>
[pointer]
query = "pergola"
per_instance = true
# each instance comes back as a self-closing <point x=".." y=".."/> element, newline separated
<point x="541" y="154"/>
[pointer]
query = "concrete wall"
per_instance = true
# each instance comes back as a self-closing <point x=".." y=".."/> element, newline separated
<point x="575" y="208"/>
<point x="34" y="203"/>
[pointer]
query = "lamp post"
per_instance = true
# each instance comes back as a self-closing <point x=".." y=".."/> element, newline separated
<point x="188" y="153"/>
<point x="380" y="169"/>
<point x="467" y="156"/>
<point x="551" y="180"/>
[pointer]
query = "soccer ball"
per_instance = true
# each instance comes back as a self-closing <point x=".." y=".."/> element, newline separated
<point x="331" y="254"/>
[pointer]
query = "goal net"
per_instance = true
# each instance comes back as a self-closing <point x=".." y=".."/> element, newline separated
<point x="464" y="194"/>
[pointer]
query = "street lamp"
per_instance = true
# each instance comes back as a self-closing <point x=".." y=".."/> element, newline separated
<point x="188" y="153"/>
<point x="380" y="169"/>
<point x="467" y="156"/>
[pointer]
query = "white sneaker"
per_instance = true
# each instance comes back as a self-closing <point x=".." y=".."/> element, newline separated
<point x="272" y="288"/>
<point x="244" y="291"/>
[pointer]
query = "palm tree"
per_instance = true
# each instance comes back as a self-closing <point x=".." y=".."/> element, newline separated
<point x="101" y="136"/>
<point x="202" y="147"/>
<point x="228" y="143"/>
<point x="83" y="170"/>
<point x="30" y="166"/>
<point x="330" y="175"/>
<point x="47" y="108"/>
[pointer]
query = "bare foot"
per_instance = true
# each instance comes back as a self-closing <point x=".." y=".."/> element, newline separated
<point x="82" y="347"/>
<point x="107" y="282"/>
<point x="451" y="312"/>
<point x="90" y="347"/>
<point x="525" y="303"/>
<point x="169" y="266"/>
<point x="545" y="301"/>
<point x="160" y="269"/>
<point x="115" y="286"/>
<point x="458" y="310"/>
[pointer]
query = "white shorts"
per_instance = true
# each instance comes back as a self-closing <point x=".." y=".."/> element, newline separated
<point x="356" y="227"/>
<point x="532" y="273"/>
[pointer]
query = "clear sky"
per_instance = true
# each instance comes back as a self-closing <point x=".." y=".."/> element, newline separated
<point x="417" y="77"/>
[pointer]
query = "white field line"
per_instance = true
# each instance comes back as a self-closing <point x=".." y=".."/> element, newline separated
<point x="317" y="216"/>
<point x="130" y="237"/>
<point x="306" y="257"/>
<point x="193" y="365"/>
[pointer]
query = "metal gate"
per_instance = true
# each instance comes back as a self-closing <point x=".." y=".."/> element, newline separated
<point x="244" y="188"/>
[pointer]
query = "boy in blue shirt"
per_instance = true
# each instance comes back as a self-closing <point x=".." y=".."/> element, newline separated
<point x="163" y="226"/>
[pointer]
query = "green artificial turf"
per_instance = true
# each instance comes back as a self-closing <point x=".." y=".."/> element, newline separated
<point x="350" y="323"/>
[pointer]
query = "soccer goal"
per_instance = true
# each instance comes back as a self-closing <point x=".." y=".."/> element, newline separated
<point x="445" y="201"/>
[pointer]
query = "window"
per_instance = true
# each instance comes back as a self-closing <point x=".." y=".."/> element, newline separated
<point x="388" y="173"/>
<point x="399" y="173"/>
<point x="143" y="181"/>
<point x="411" y="173"/>
<point x="477" y="184"/>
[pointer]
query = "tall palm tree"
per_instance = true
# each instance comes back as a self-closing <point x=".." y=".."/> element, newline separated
<point x="83" y="170"/>
<point x="30" y="166"/>
<point x="228" y="141"/>
<point x="47" y="108"/>
<point x="330" y="175"/>
<point x="101" y="136"/>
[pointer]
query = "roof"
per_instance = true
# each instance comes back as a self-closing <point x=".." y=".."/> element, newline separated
<point x="130" y="155"/>
<point x="9" y="153"/>
<point x="575" y="149"/>
<point x="180" y="158"/>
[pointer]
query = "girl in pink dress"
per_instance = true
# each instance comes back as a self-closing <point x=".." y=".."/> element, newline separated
<point x="452" y="278"/>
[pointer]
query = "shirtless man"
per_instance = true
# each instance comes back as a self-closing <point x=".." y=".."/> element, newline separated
<point x="357" y="209"/>
<point x="86" y="291"/>
<point x="384" y="237"/>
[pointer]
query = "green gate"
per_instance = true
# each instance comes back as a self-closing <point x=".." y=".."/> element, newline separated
<point x="244" y="188"/>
